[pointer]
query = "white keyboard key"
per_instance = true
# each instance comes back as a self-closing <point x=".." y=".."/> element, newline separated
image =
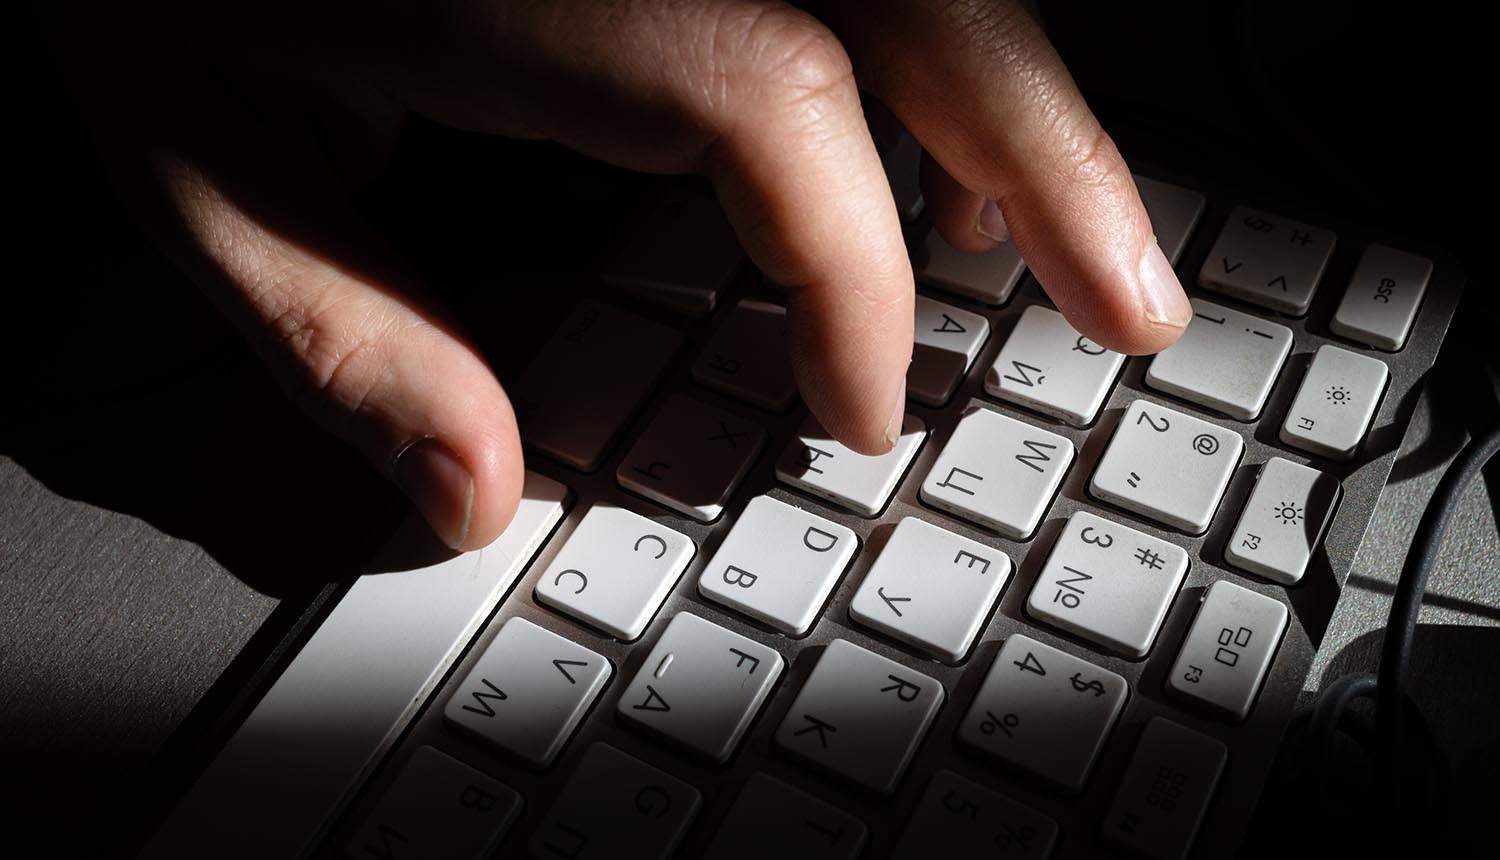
<point x="1226" y="361"/>
<point x="1109" y="584"/>
<point x="1383" y="296"/>
<point x="437" y="807"/>
<point x="701" y="686"/>
<point x="681" y="256"/>
<point x="998" y="472"/>
<point x="747" y="357"/>
<point x="1228" y="649"/>
<point x="585" y="384"/>
<point x="615" y="570"/>
<point x="818" y="464"/>
<point x="1044" y="712"/>
<point x="528" y="692"/>
<point x="264" y="797"/>
<point x="1047" y="366"/>
<point x="902" y="166"/>
<point x="778" y="564"/>
<point x="860" y="717"/>
<point x="1174" y="212"/>
<point x="931" y="589"/>
<point x="957" y="817"/>
<point x="1166" y="791"/>
<point x="989" y="278"/>
<point x="1284" y="519"/>
<point x="691" y="458"/>
<point x="1335" y="403"/>
<point x="948" y="340"/>
<point x="772" y="819"/>
<point x="1167" y="466"/>
<point x="1268" y="260"/>
<point x="616" y="806"/>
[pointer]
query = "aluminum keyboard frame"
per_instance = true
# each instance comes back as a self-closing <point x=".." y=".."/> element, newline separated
<point x="1253" y="744"/>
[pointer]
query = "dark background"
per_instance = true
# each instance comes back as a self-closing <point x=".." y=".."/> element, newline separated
<point x="168" y="516"/>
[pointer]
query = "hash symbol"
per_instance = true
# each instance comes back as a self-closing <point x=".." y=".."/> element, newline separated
<point x="1148" y="558"/>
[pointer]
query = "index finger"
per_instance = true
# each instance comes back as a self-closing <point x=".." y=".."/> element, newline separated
<point x="1004" y="119"/>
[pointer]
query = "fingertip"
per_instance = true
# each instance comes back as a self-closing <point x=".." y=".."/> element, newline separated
<point x="967" y="221"/>
<point x="498" y="485"/>
<point x="850" y="361"/>
<point x="440" y="486"/>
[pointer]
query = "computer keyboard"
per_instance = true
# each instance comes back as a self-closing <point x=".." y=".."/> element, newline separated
<point x="1068" y="615"/>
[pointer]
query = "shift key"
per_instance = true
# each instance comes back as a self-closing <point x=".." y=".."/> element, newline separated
<point x="588" y="380"/>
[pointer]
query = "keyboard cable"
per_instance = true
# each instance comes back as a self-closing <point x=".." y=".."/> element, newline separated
<point x="1397" y="718"/>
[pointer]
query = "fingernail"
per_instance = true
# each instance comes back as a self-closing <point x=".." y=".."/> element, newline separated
<point x="439" y="485"/>
<point x="898" y="418"/>
<point x="991" y="224"/>
<point x="1161" y="293"/>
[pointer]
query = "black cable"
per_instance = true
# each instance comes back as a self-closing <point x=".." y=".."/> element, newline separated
<point x="1406" y="603"/>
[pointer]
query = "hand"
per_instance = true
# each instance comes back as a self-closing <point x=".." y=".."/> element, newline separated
<point x="227" y="126"/>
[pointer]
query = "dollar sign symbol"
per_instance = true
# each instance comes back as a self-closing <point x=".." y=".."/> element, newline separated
<point x="1080" y="686"/>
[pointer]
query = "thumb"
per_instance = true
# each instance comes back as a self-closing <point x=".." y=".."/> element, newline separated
<point x="253" y="215"/>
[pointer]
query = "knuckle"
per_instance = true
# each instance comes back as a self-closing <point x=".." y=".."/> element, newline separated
<point x="1088" y="156"/>
<point x="787" y="57"/>
<point x="331" y="353"/>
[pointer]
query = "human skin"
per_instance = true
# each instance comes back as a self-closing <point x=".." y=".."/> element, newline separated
<point x="235" y="134"/>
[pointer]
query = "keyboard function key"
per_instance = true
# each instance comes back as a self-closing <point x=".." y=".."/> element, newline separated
<point x="1383" y="296"/>
<point x="1284" y="519"/>
<point x="998" y="472"/>
<point x="1174" y="213"/>
<point x="948" y="340"/>
<point x="957" y="817"/>
<point x="1165" y="793"/>
<point x="528" y="692"/>
<point x="615" y="805"/>
<point x="778" y="564"/>
<point x="818" y="464"/>
<point x="438" y="807"/>
<point x="615" y="570"/>
<point x="1048" y="367"/>
<point x="1167" y="466"/>
<point x="989" y="278"/>
<point x="1268" y="260"/>
<point x="1226" y="361"/>
<point x="931" y="589"/>
<point x="1109" y="584"/>
<point x="681" y="256"/>
<point x="1228" y="649"/>
<point x="1044" y="712"/>
<point x="701" y="686"/>
<point x="588" y="380"/>
<point x="691" y="458"/>
<point x="860" y="717"/>
<point x="773" y="819"/>
<point x="1336" y="402"/>
<point x="747" y="357"/>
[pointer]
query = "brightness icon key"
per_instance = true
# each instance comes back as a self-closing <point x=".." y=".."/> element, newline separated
<point x="1283" y="521"/>
<point x="1336" y="405"/>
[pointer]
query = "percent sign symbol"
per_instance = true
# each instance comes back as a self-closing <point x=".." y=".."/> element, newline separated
<point x="1004" y="724"/>
<point x="1018" y="839"/>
